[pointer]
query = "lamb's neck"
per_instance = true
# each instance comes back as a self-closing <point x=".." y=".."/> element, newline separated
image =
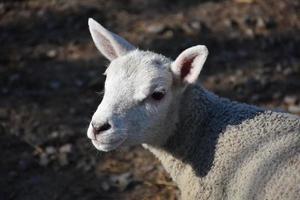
<point x="177" y="152"/>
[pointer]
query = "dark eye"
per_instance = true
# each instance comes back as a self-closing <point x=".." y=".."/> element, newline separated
<point x="158" y="95"/>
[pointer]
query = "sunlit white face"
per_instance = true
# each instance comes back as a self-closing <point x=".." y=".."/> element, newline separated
<point x="141" y="91"/>
<point x="138" y="92"/>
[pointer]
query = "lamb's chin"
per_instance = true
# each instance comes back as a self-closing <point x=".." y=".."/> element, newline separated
<point x="101" y="146"/>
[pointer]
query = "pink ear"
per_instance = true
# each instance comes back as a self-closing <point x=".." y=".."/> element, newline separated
<point x="189" y="63"/>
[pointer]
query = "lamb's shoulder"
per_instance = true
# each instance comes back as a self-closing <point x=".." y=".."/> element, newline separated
<point x="254" y="154"/>
<point x="262" y="129"/>
<point x="267" y="122"/>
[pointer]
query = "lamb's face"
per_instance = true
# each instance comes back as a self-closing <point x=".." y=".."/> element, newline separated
<point x="141" y="91"/>
<point x="137" y="98"/>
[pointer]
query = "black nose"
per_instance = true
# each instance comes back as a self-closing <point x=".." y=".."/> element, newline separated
<point x="100" y="128"/>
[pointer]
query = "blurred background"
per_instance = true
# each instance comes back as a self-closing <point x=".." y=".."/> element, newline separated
<point x="50" y="73"/>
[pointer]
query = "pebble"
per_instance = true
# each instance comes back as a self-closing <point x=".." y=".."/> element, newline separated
<point x="63" y="159"/>
<point x="66" y="148"/>
<point x="290" y="100"/>
<point x="156" y="28"/>
<point x="294" y="108"/>
<point x="50" y="150"/>
<point x="287" y="71"/>
<point x="260" y="23"/>
<point x="54" y="134"/>
<point x="168" y="34"/>
<point x="249" y="32"/>
<point x="51" y="54"/>
<point x="2" y="8"/>
<point x="105" y="186"/>
<point x="195" y="25"/>
<point x="44" y="161"/>
<point x="122" y="181"/>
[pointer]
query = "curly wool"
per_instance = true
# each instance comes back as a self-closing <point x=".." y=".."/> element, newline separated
<point x="229" y="150"/>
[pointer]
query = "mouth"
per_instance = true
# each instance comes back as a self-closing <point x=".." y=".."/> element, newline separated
<point x="108" y="144"/>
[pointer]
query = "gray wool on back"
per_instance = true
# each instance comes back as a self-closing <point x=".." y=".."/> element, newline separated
<point x="229" y="150"/>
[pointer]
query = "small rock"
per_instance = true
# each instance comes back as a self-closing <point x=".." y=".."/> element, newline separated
<point x="249" y="32"/>
<point x="54" y="134"/>
<point x="294" y="108"/>
<point x="44" y="161"/>
<point x="104" y="185"/>
<point x="41" y="13"/>
<point x="287" y="71"/>
<point x="195" y="25"/>
<point x="290" y="100"/>
<point x="50" y="150"/>
<point x="232" y="79"/>
<point x="156" y="28"/>
<point x="168" y="34"/>
<point x="278" y="68"/>
<point x="122" y="181"/>
<point x="260" y="23"/>
<point x="2" y="8"/>
<point x="63" y="159"/>
<point x="66" y="148"/>
<point x="52" y="53"/>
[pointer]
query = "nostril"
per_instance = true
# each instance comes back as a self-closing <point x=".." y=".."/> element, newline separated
<point x="98" y="129"/>
<point x="104" y="127"/>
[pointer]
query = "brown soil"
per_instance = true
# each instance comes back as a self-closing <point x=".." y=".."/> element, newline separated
<point x="50" y="72"/>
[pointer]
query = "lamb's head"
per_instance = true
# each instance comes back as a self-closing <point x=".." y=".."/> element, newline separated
<point x="142" y="91"/>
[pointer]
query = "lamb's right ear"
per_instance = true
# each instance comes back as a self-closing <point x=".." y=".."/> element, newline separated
<point x="189" y="63"/>
<point x="108" y="43"/>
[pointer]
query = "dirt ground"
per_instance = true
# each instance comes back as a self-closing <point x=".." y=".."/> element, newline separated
<point x="50" y="73"/>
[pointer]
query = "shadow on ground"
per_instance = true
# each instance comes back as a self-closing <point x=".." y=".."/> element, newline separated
<point x="50" y="72"/>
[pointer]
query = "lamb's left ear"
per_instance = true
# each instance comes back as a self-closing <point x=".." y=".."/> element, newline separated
<point x="189" y="63"/>
<point x="109" y="44"/>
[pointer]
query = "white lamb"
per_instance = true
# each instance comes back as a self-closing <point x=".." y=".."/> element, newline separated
<point x="213" y="148"/>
